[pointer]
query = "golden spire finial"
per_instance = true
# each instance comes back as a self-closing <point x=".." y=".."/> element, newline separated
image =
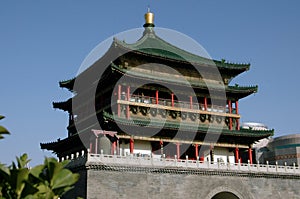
<point x="149" y="17"/>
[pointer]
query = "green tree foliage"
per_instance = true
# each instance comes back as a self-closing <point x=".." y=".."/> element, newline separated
<point x="48" y="181"/>
<point x="2" y="129"/>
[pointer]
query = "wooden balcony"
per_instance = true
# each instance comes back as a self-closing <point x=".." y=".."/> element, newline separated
<point x="177" y="106"/>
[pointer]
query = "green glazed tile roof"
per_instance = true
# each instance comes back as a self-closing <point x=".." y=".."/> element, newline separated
<point x="190" y="127"/>
<point x="201" y="84"/>
<point x="151" y="44"/>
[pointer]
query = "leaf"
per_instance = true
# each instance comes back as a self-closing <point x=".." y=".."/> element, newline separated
<point x="18" y="178"/>
<point x="48" y="181"/>
<point x="3" y="131"/>
<point x="64" y="163"/>
<point x="37" y="171"/>
<point x="23" y="161"/>
<point x="29" y="190"/>
<point x="62" y="191"/>
<point x="64" y="178"/>
<point x="53" y="178"/>
<point x="4" y="171"/>
<point x="30" y="197"/>
<point x="45" y="192"/>
<point x="57" y="173"/>
<point x="52" y="167"/>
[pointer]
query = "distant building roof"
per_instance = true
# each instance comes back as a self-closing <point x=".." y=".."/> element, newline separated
<point x="285" y="141"/>
<point x="254" y="126"/>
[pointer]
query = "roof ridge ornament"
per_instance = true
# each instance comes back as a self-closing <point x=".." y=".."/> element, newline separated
<point x="149" y="19"/>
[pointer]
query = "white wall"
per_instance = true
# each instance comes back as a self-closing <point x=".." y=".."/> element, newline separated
<point x="221" y="154"/>
<point x="142" y="148"/>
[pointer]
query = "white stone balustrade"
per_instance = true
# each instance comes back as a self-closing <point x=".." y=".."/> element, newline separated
<point x="186" y="163"/>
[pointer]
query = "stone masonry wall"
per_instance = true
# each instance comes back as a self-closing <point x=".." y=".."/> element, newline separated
<point x="122" y="182"/>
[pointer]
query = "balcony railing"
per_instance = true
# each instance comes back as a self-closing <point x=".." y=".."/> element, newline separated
<point x="176" y="105"/>
<point x="131" y="160"/>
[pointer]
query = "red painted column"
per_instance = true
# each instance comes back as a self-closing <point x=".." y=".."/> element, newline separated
<point x="236" y="155"/>
<point x="191" y="102"/>
<point x="172" y="99"/>
<point x="113" y="147"/>
<point x="250" y="155"/>
<point x="205" y="103"/>
<point x="230" y="111"/>
<point x="238" y="124"/>
<point x="237" y="107"/>
<point x="131" y="145"/>
<point x="161" y="143"/>
<point x="128" y="99"/>
<point x="119" y="97"/>
<point x="119" y="91"/>
<point x="196" y="150"/>
<point x="178" y="150"/>
<point x="201" y="158"/>
<point x="156" y="97"/>
<point x="237" y="112"/>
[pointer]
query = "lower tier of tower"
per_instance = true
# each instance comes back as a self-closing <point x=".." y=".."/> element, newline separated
<point x="134" y="146"/>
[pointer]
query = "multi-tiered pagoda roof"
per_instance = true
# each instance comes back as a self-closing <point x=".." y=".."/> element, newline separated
<point x="152" y="105"/>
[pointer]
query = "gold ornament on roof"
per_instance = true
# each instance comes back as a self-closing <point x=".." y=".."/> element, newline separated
<point x="149" y="17"/>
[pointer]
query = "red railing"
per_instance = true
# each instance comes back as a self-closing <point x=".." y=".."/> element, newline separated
<point x="176" y="103"/>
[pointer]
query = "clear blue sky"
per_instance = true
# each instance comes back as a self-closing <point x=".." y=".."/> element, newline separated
<point x="43" y="42"/>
